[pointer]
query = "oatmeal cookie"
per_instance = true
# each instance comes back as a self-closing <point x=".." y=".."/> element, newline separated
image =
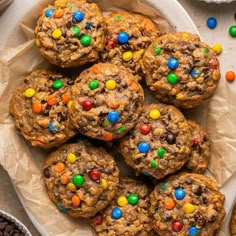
<point x="232" y="223"/>
<point x="70" y="33"/>
<point x="127" y="36"/>
<point x="128" y="213"/>
<point x="81" y="179"/>
<point x="40" y="108"/>
<point x="107" y="101"/>
<point x="187" y="204"/>
<point x="181" y="70"/>
<point x="160" y="143"/>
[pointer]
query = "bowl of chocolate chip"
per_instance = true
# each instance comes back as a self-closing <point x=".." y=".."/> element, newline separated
<point x="10" y="226"/>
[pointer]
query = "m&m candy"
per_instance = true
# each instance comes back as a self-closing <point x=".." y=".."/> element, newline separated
<point x="75" y="200"/>
<point x="173" y="63"/>
<point x="54" y="127"/>
<point x="188" y="208"/>
<point x="217" y="48"/>
<point x="158" y="50"/>
<point x="161" y="152"/>
<point x="86" y="40"/>
<point x="57" y="84"/>
<point x="143" y="147"/>
<point x="94" y="175"/>
<point x="230" y="76"/>
<point x="180" y="193"/>
<point x="116" y="213"/>
<point x="104" y="184"/>
<point x="71" y="158"/>
<point x="122" y="201"/>
<point x="78" y="16"/>
<point x="123" y="37"/>
<point x="78" y="180"/>
<point x="93" y="84"/>
<point x="154" y="114"/>
<point x="193" y="231"/>
<point x="87" y="26"/>
<point x="56" y="34"/>
<point x="169" y="203"/>
<point x="113" y="116"/>
<point x="153" y="163"/>
<point x="211" y="22"/>
<point x="49" y="12"/>
<point x="133" y="199"/>
<point x="232" y="30"/>
<point x="172" y="78"/>
<point x="145" y="128"/>
<point x="111" y="84"/>
<point x="30" y="92"/>
<point x="87" y="105"/>
<point x="76" y="31"/>
<point x="177" y="226"/>
<point x="127" y="56"/>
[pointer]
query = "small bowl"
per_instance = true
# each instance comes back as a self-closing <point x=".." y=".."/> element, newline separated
<point x="19" y="225"/>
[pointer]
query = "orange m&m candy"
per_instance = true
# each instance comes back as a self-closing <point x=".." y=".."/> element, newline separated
<point x="230" y="76"/>
<point x="65" y="98"/>
<point x="64" y="179"/>
<point x="59" y="167"/>
<point x="169" y="203"/>
<point x="75" y="200"/>
<point x="37" y="107"/>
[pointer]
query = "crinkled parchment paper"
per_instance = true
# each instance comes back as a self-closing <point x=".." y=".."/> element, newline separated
<point x="24" y="163"/>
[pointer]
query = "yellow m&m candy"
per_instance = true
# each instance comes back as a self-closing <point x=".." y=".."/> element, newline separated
<point x="69" y="104"/>
<point x="127" y="56"/>
<point x="56" y="34"/>
<point x="154" y="114"/>
<point x="122" y="201"/>
<point x="104" y="184"/>
<point x="188" y="208"/>
<point x="111" y="84"/>
<point x="217" y="48"/>
<point x="71" y="187"/>
<point x="71" y="158"/>
<point x="30" y="92"/>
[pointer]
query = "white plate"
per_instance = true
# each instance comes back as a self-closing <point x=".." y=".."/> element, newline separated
<point x="170" y="9"/>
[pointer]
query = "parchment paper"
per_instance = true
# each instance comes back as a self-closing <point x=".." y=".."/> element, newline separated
<point x="24" y="163"/>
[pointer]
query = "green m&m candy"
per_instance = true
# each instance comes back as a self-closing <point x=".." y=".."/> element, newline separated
<point x="232" y="30"/>
<point x="133" y="199"/>
<point x="57" y="84"/>
<point x="86" y="40"/>
<point x="76" y="30"/>
<point x="172" y="78"/>
<point x="93" y="84"/>
<point x="78" y="180"/>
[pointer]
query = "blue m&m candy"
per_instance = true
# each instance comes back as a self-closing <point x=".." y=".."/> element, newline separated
<point x="193" y="73"/>
<point x="113" y="116"/>
<point x="143" y="147"/>
<point x="180" y="193"/>
<point x="49" y="12"/>
<point x="193" y="231"/>
<point x="87" y="26"/>
<point x="173" y="63"/>
<point x="116" y="213"/>
<point x="78" y="16"/>
<point x="123" y="37"/>
<point x="211" y="22"/>
<point x="62" y="208"/>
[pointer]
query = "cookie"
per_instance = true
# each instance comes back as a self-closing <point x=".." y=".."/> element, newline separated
<point x="200" y="155"/>
<point x="181" y="70"/>
<point x="232" y="224"/>
<point x="40" y="108"/>
<point x="70" y="33"/>
<point x="127" y="36"/>
<point x="128" y="212"/>
<point x="159" y="144"/>
<point x="107" y="102"/>
<point x="187" y="204"/>
<point x="81" y="179"/>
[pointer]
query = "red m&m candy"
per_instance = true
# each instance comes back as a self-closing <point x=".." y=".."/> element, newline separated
<point x="94" y="175"/>
<point x="87" y="105"/>
<point x="145" y="128"/>
<point x="177" y="226"/>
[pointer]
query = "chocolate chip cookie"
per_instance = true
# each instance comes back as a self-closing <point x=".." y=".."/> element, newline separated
<point x="128" y="212"/>
<point x="200" y="155"/>
<point x="160" y="142"/>
<point x="232" y="223"/>
<point x="127" y="36"/>
<point x="107" y="101"/>
<point x="81" y="179"/>
<point x="70" y="33"/>
<point x="181" y="70"/>
<point x="40" y="108"/>
<point x="187" y="204"/>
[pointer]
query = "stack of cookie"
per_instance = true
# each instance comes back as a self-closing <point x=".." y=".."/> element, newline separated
<point x="106" y="102"/>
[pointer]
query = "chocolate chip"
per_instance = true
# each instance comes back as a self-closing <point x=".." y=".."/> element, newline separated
<point x="126" y="47"/>
<point x="205" y="138"/>
<point x="199" y="218"/>
<point x="197" y="190"/>
<point x="46" y="172"/>
<point x="204" y="199"/>
<point x="62" y="117"/>
<point x="118" y="80"/>
<point x="170" y="137"/>
<point x="137" y="161"/>
<point x="26" y="81"/>
<point x="188" y="181"/>
<point x="70" y="81"/>
<point x="167" y="216"/>
<point x="46" y="111"/>
<point x="69" y="24"/>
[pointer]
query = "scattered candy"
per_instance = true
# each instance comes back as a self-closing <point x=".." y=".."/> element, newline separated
<point x="93" y="84"/>
<point x="161" y="152"/>
<point x="153" y="163"/>
<point x="78" y="180"/>
<point x="172" y="78"/>
<point x="217" y="48"/>
<point x="78" y="16"/>
<point x="57" y="84"/>
<point x="59" y="167"/>
<point x="188" y="208"/>
<point x="30" y="92"/>
<point x="94" y="175"/>
<point x="71" y="187"/>
<point x="75" y="200"/>
<point x="113" y="116"/>
<point x="54" y="127"/>
<point x="145" y="129"/>
<point x="122" y="201"/>
<point x="169" y="203"/>
<point x="87" y="105"/>
<point x="180" y="193"/>
<point x="177" y="226"/>
<point x="211" y="22"/>
<point x="193" y="231"/>
<point x="71" y="158"/>
<point x="86" y="40"/>
<point x="104" y="184"/>
<point x="87" y="26"/>
<point x="154" y="114"/>
<point x="232" y="30"/>
<point x="64" y="179"/>
<point x="37" y="107"/>
<point x="230" y="76"/>
<point x="116" y="213"/>
<point x="143" y="147"/>
<point x="127" y="56"/>
<point x="158" y="50"/>
<point x="56" y="34"/>
<point x="49" y="12"/>
<point x="76" y="31"/>
<point x="133" y="199"/>
<point x="65" y="98"/>
<point x="123" y="37"/>
<point x="173" y="63"/>
<point x="111" y="84"/>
